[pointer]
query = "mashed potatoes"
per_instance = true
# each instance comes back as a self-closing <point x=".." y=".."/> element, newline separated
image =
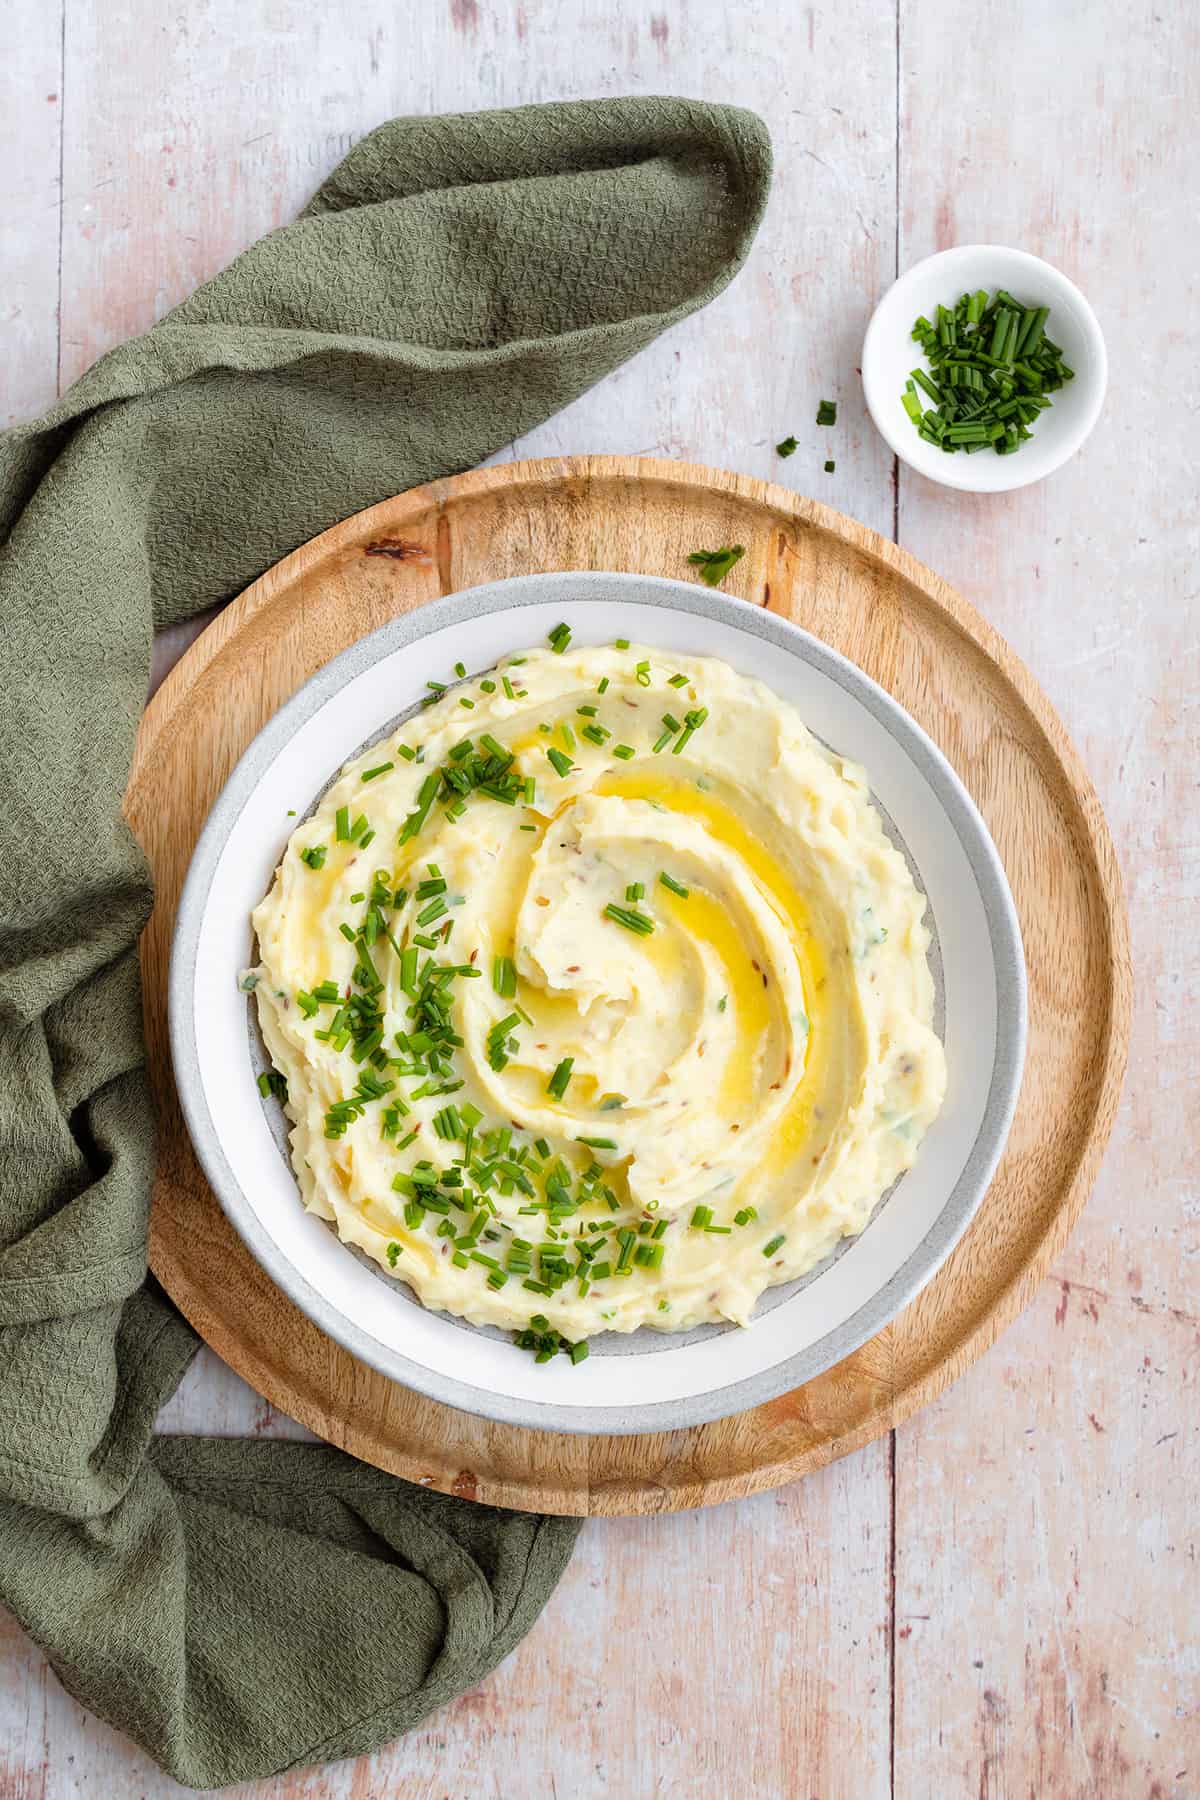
<point x="604" y="998"/>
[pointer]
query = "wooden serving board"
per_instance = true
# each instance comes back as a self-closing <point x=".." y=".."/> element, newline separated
<point x="919" y="640"/>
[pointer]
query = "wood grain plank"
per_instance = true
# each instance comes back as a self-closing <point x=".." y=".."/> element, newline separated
<point x="31" y="106"/>
<point x="1043" y="1570"/>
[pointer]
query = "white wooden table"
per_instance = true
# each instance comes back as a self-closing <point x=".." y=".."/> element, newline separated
<point x="1001" y="1599"/>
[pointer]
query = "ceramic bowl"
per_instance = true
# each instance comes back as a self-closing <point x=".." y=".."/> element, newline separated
<point x="889" y="357"/>
<point x="647" y="1381"/>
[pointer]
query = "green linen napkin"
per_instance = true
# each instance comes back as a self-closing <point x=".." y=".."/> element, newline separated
<point x="245" y="1607"/>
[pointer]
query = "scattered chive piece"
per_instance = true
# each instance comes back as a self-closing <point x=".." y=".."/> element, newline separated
<point x="559" y="638"/>
<point x="701" y="1219"/>
<point x="314" y="856"/>
<point x="744" y="1215"/>
<point x="393" y="1253"/>
<point x="460" y="669"/>
<point x="272" y="1082"/>
<point x="598" y="1143"/>
<point x="830" y="466"/>
<point x="602" y="685"/>
<point x="625" y="752"/>
<point x="635" y="891"/>
<point x="714" y="565"/>
<point x="381" y="769"/>
<point x="675" y="887"/>
<point x="723" y="1002"/>
<point x="827" y="412"/>
<point x="342" y="825"/>
<point x="633" y="921"/>
<point x="769" y="1249"/>
<point x="406" y="752"/>
<point x="622" y="643"/>
<point x="507" y="685"/>
<point x="642" y="673"/>
<point x="504" y="977"/>
<point x="561" y="763"/>
<point x="678" y="681"/>
<point x="787" y="447"/>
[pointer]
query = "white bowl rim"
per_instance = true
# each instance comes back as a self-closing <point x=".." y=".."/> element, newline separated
<point x="962" y="472"/>
<point x="1004" y="933"/>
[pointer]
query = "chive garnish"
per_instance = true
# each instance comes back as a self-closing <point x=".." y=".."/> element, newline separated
<point x="775" y="1243"/>
<point x="314" y="856"/>
<point x="830" y="466"/>
<point x="827" y="412"/>
<point x="557" y="1084"/>
<point x="561" y="763"/>
<point x="504" y="977"/>
<point x="380" y="769"/>
<point x="714" y="565"/>
<point x="624" y="752"/>
<point x="559" y="638"/>
<point x="675" y="887"/>
<point x="632" y="921"/>
<point x="787" y="447"/>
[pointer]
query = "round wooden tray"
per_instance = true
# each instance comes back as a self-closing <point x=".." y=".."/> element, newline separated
<point x="917" y="638"/>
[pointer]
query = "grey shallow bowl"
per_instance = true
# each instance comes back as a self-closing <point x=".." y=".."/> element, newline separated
<point x="648" y="1381"/>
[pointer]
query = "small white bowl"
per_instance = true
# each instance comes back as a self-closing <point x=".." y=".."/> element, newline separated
<point x="889" y="356"/>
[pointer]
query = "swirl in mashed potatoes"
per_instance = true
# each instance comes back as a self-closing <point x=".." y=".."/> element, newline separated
<point x="605" y="998"/>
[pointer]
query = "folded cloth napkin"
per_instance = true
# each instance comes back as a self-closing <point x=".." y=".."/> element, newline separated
<point x="242" y="1608"/>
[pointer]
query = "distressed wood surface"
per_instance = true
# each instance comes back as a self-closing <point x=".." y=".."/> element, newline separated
<point x="1001" y="1601"/>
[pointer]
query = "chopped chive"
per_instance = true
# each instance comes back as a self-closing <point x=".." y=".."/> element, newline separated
<point x="559" y="638"/>
<point x="622" y="643"/>
<point x="827" y="412"/>
<point x="504" y="977"/>
<point x="787" y="447"/>
<point x="602" y="685"/>
<point x="675" y="887"/>
<point x="714" y="565"/>
<point x="380" y="769"/>
<point x="557" y="1084"/>
<point x="701" y="1218"/>
<point x="635" y="891"/>
<point x="460" y="669"/>
<point x="770" y="1248"/>
<point x="598" y="1143"/>
<point x="561" y="763"/>
<point x="636" y="922"/>
<point x="314" y="856"/>
<point x="624" y="753"/>
<point x="342" y="825"/>
<point x="830" y="466"/>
